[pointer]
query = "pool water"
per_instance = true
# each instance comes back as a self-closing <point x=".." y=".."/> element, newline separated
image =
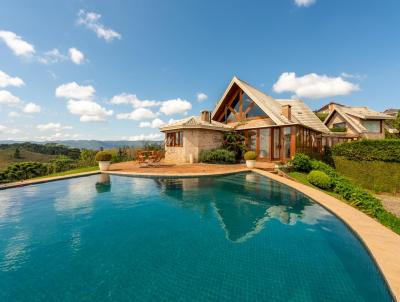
<point x="240" y="237"/>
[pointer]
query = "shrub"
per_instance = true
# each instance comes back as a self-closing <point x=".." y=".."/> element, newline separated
<point x="369" y="150"/>
<point x="319" y="179"/>
<point x="250" y="155"/>
<point x="320" y="166"/>
<point x="23" y="170"/>
<point x="103" y="156"/>
<point x="327" y="156"/>
<point x="339" y="129"/>
<point x="235" y="142"/>
<point x="322" y="116"/>
<point x="301" y="162"/>
<point x="217" y="156"/>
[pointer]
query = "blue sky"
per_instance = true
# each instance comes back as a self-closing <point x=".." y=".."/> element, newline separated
<point x="115" y="69"/>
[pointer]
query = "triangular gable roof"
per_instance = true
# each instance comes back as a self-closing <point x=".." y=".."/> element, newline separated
<point x="265" y="102"/>
<point x="347" y="118"/>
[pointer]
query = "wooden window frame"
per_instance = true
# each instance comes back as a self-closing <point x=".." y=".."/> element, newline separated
<point x="174" y="139"/>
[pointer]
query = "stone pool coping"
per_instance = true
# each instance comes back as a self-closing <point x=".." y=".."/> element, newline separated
<point x="382" y="243"/>
<point x="191" y="174"/>
<point x="45" y="179"/>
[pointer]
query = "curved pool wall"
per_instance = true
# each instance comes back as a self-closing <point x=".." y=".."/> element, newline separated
<point x="240" y="237"/>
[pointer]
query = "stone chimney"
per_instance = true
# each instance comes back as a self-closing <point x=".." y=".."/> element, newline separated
<point x="287" y="111"/>
<point x="331" y="106"/>
<point x="205" y="116"/>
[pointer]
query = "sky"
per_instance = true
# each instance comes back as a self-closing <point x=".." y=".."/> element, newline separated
<point x="113" y="70"/>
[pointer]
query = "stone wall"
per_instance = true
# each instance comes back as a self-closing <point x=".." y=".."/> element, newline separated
<point x="194" y="141"/>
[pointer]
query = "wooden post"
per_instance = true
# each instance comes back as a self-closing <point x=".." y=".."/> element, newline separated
<point x="293" y="133"/>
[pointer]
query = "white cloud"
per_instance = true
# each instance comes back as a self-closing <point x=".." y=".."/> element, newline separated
<point x="313" y="86"/>
<point x="13" y="114"/>
<point x="89" y="111"/>
<point x="132" y="99"/>
<point x="31" y="108"/>
<point x="359" y="77"/>
<point x="7" y="98"/>
<point x="137" y="115"/>
<point x="7" y="130"/>
<point x="156" y="123"/>
<point x="304" y="3"/>
<point x="76" y="56"/>
<point x="16" y="44"/>
<point x="74" y="91"/>
<point x="91" y="21"/>
<point x="175" y="106"/>
<point x="201" y="96"/>
<point x="58" y="136"/>
<point x="6" y="80"/>
<point x="145" y="137"/>
<point x="52" y="127"/>
<point x="52" y="56"/>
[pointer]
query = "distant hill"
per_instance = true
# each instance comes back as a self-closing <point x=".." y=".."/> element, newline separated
<point x="90" y="144"/>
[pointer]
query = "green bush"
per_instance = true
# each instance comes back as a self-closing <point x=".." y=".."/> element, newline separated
<point x="250" y="155"/>
<point x="339" y="129"/>
<point x="234" y="141"/>
<point x="217" y="156"/>
<point x="320" y="166"/>
<point x="319" y="179"/>
<point x="377" y="176"/>
<point x="23" y="170"/>
<point x="301" y="162"/>
<point x="322" y="116"/>
<point x="369" y="150"/>
<point x="103" y="156"/>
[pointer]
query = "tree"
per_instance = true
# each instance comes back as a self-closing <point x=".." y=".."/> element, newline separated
<point x="234" y="141"/>
<point x="17" y="153"/>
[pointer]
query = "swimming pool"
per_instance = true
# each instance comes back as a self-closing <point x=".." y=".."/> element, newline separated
<point x="241" y="237"/>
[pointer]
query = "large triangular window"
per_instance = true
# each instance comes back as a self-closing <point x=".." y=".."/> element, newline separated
<point x="242" y="108"/>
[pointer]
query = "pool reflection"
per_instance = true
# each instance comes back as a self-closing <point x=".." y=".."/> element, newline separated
<point x="256" y="201"/>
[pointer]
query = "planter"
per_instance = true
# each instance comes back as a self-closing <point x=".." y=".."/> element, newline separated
<point x="250" y="164"/>
<point x="104" y="165"/>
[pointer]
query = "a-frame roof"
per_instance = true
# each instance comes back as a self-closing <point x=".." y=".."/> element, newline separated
<point x="301" y="113"/>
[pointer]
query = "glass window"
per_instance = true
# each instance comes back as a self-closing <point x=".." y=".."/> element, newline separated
<point x="276" y="142"/>
<point x="286" y="141"/>
<point x="372" y="126"/>
<point x="255" y="111"/>
<point x="252" y="140"/>
<point x="265" y="137"/>
<point x="174" y="139"/>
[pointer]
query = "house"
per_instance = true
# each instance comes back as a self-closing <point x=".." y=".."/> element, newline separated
<point x="275" y="129"/>
<point x="391" y="111"/>
<point x="355" y="122"/>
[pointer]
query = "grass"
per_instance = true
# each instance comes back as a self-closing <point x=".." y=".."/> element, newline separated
<point x="69" y="172"/>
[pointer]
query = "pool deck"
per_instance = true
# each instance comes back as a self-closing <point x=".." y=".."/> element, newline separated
<point x="382" y="243"/>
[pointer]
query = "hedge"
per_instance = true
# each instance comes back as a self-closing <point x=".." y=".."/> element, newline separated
<point x="377" y="176"/>
<point x="369" y="150"/>
<point x="217" y="156"/>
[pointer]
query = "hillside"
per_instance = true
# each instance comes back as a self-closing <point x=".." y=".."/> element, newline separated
<point x="91" y="144"/>
<point x="7" y="157"/>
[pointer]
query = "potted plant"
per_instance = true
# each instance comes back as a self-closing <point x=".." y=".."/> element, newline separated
<point x="250" y="158"/>
<point x="104" y="159"/>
